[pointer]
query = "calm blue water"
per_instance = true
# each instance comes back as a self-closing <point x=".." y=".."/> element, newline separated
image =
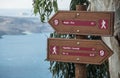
<point x="23" y="56"/>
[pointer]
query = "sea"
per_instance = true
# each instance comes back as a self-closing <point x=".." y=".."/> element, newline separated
<point x="24" y="56"/>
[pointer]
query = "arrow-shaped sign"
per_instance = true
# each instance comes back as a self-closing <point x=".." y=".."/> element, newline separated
<point x="83" y="23"/>
<point x="78" y="51"/>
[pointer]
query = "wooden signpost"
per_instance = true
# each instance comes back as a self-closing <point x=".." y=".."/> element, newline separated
<point x="80" y="51"/>
<point x="83" y="23"/>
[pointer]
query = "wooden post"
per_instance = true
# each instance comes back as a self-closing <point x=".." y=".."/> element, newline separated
<point x="81" y="8"/>
<point x="80" y="69"/>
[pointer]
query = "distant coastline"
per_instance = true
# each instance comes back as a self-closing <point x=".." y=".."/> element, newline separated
<point x="22" y="26"/>
<point x="2" y="33"/>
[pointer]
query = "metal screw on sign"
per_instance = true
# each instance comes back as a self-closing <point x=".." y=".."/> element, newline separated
<point x="78" y="43"/>
<point x="78" y="14"/>
<point x="77" y="59"/>
<point x="78" y="30"/>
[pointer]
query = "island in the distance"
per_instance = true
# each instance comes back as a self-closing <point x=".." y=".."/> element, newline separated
<point x="22" y="25"/>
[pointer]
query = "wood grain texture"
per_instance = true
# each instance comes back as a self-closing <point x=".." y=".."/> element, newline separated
<point x="83" y="22"/>
<point x="78" y="51"/>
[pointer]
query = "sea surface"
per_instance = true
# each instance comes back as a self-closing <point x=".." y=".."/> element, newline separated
<point x="23" y="56"/>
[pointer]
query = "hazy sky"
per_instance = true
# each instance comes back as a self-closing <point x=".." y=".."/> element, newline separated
<point x="15" y="4"/>
<point x="63" y="4"/>
<point x="27" y="4"/>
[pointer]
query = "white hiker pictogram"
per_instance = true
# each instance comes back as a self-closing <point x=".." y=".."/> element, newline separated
<point x="103" y="24"/>
<point x="102" y="53"/>
<point x="54" y="50"/>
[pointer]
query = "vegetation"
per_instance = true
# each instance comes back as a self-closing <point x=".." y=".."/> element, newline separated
<point x="78" y="2"/>
<point x="67" y="70"/>
<point x="44" y="8"/>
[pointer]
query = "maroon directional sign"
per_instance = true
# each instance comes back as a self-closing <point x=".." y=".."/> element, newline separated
<point x="83" y="22"/>
<point x="78" y="51"/>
